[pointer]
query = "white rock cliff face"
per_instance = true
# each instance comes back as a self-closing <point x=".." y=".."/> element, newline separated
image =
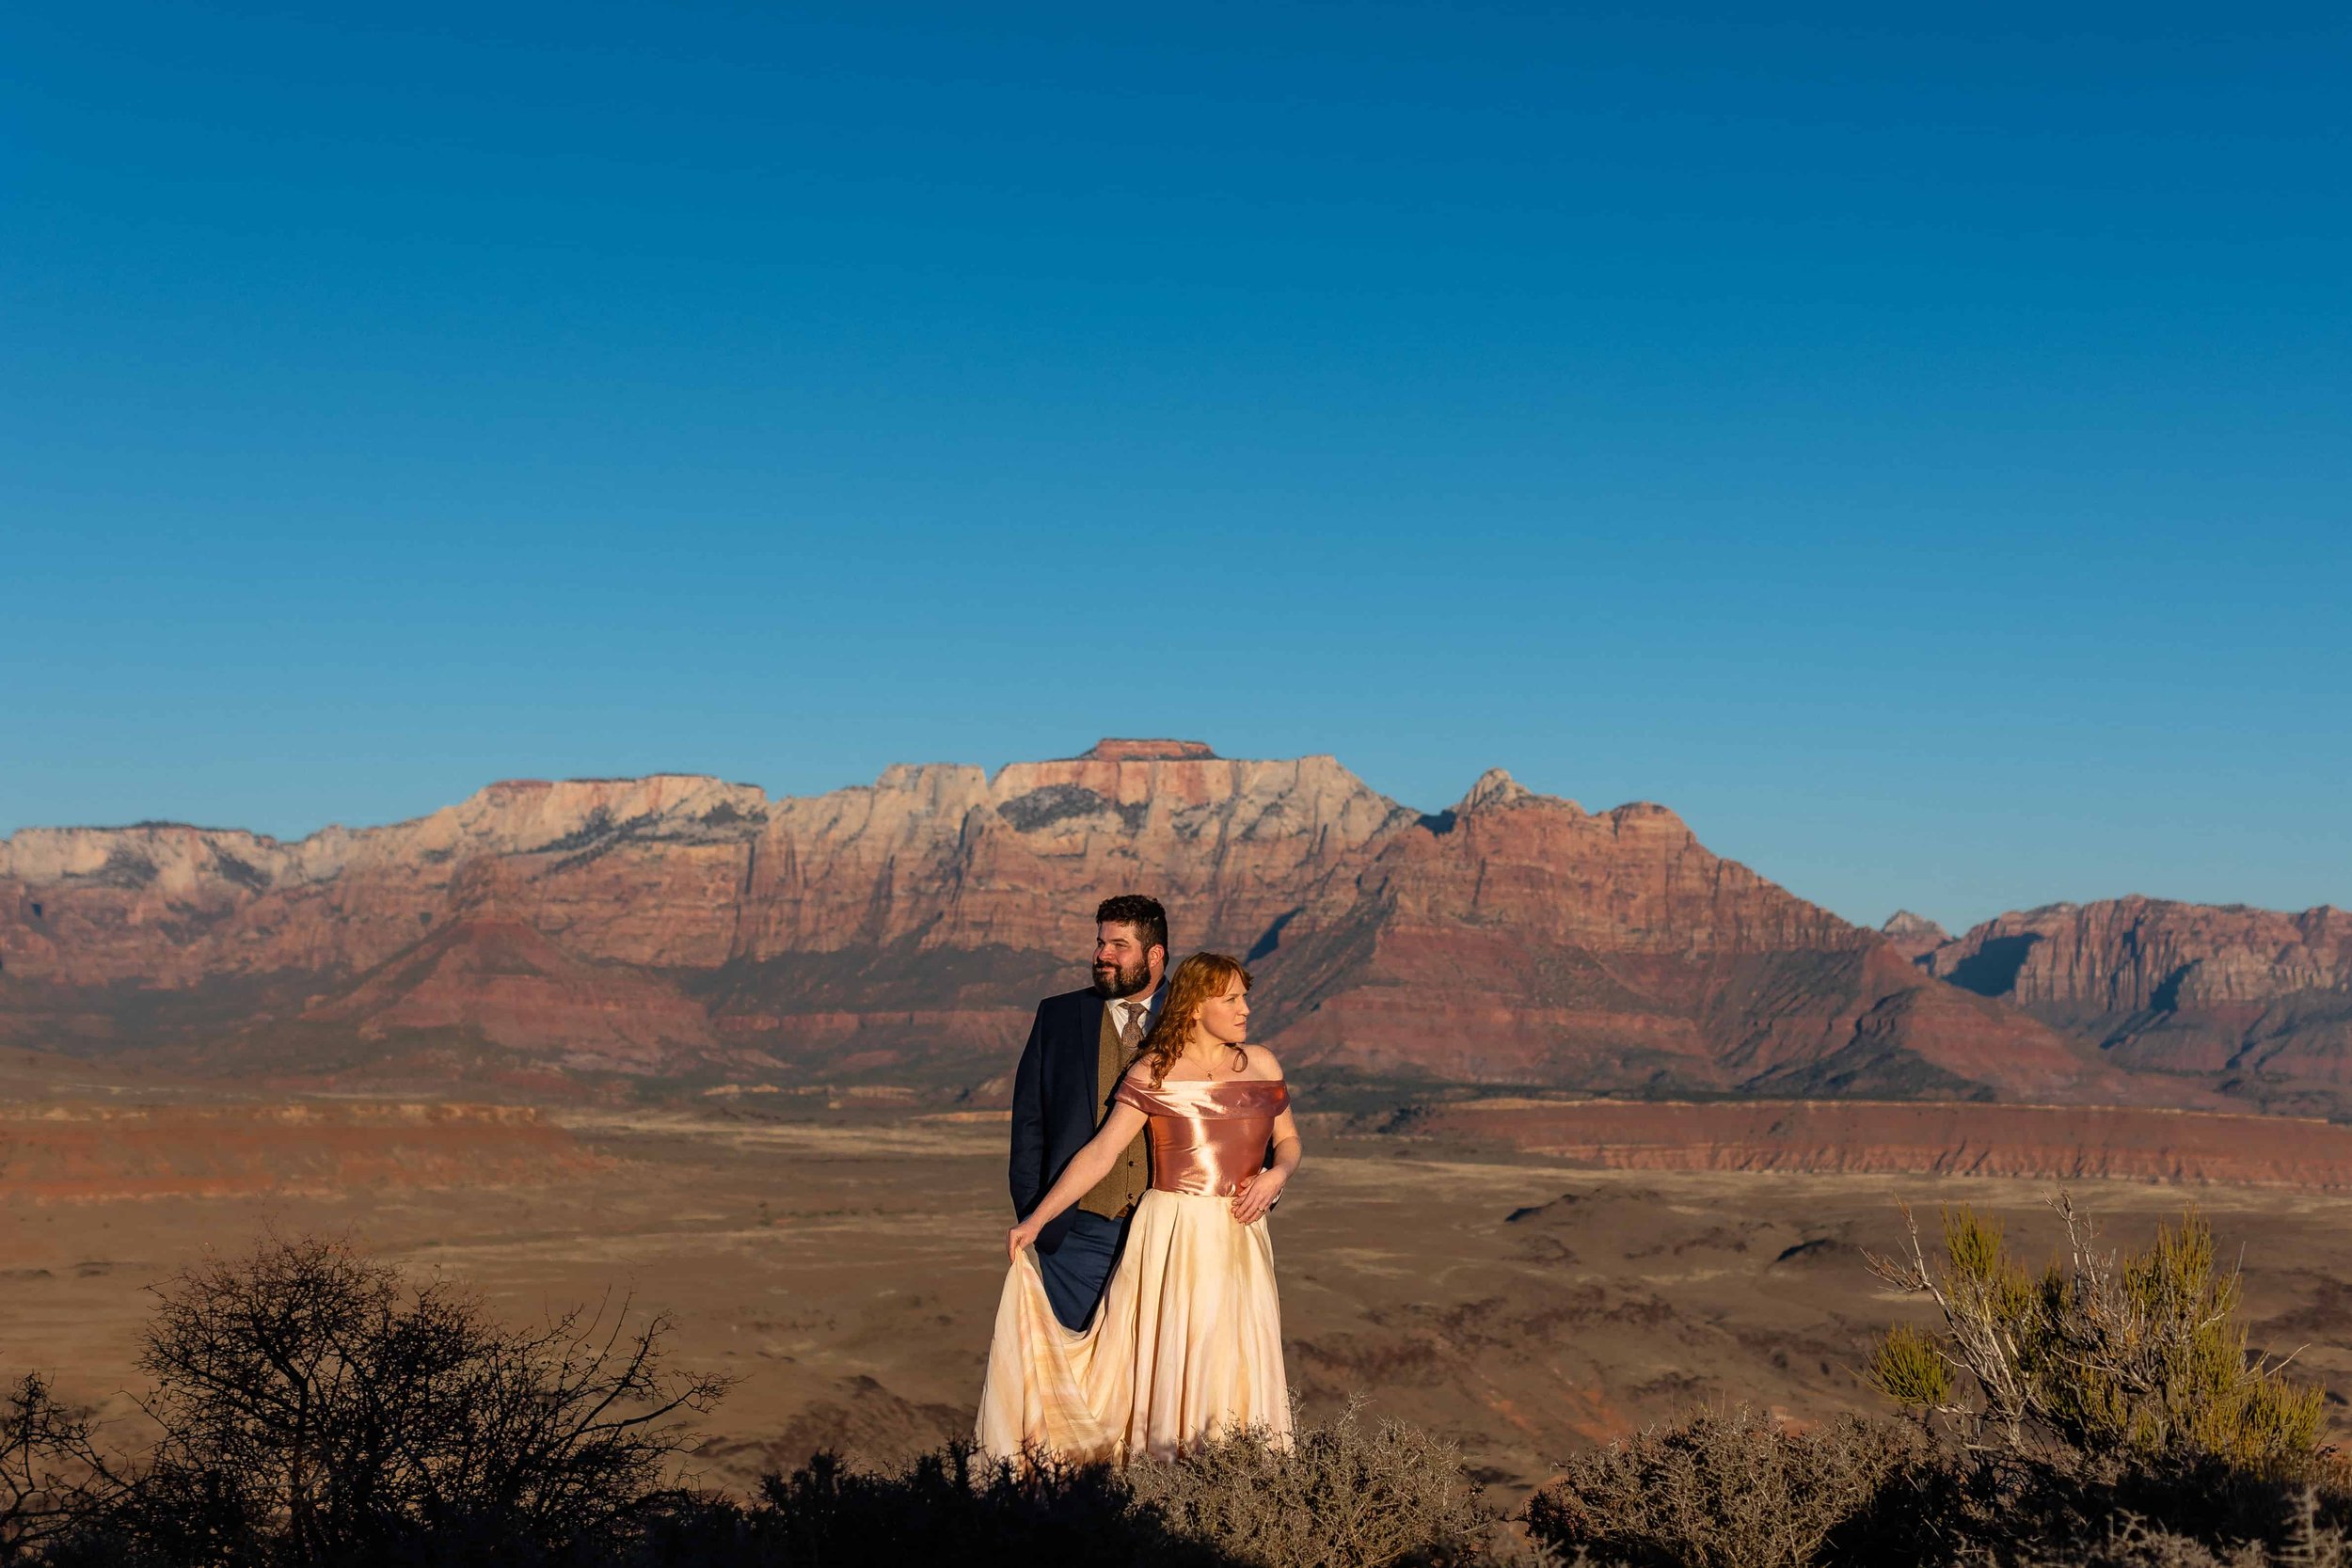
<point x="677" y="870"/>
<point x="943" y="855"/>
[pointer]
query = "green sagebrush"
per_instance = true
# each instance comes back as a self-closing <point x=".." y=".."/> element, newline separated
<point x="2110" y="1352"/>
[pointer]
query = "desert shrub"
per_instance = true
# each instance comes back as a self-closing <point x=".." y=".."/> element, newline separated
<point x="2059" y="1505"/>
<point x="1340" y="1496"/>
<point x="1343" y="1494"/>
<point x="1739" y="1490"/>
<point x="1909" y="1367"/>
<point x="51" y="1472"/>
<point x="2135" y="1542"/>
<point x="317" y="1407"/>
<point x="2135" y="1352"/>
<point x="953" y="1505"/>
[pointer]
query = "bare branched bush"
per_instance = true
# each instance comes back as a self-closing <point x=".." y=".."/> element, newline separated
<point x="2139" y="1352"/>
<point x="51" y="1473"/>
<point x="317" y="1407"/>
<point x="1736" y="1490"/>
<point x="1342" y="1494"/>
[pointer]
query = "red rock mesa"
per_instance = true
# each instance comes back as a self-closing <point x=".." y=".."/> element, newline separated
<point x="2253" y="1000"/>
<point x="677" y="924"/>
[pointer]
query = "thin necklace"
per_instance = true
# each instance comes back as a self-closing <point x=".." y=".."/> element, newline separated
<point x="1208" y="1066"/>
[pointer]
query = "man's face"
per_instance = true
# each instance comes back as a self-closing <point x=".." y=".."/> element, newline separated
<point x="1122" y="965"/>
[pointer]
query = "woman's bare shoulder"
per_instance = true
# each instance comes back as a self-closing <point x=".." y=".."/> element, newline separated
<point x="1262" y="1061"/>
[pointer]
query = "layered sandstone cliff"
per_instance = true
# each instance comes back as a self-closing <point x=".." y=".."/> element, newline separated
<point x="2052" y="1142"/>
<point x="678" y="924"/>
<point x="2256" y="999"/>
<point x="1518" y="938"/>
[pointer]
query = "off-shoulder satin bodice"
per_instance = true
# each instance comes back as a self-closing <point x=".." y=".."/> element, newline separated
<point x="1208" y="1136"/>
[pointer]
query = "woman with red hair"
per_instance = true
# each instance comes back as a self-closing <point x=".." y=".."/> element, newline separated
<point x="1187" y="1341"/>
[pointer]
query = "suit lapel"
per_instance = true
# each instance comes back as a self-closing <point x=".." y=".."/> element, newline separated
<point x="1091" y="1040"/>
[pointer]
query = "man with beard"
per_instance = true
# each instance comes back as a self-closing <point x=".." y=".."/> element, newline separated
<point x="1080" y="1044"/>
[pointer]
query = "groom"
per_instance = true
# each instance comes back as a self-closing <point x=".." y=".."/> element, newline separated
<point x="1079" y="1045"/>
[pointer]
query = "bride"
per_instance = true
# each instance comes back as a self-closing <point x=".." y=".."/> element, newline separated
<point x="1188" y="1337"/>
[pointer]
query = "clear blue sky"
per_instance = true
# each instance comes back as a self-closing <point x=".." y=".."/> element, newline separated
<point x="1918" y="451"/>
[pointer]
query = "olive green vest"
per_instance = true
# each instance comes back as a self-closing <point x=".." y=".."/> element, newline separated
<point x="1116" y="1195"/>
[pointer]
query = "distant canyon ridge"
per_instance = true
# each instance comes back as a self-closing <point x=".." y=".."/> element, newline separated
<point x="558" y="935"/>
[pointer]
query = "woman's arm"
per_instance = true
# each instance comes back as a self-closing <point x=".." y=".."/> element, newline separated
<point x="1087" y="1166"/>
<point x="1258" y="1193"/>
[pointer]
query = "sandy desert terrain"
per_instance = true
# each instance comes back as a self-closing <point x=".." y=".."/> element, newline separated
<point x="844" y="1261"/>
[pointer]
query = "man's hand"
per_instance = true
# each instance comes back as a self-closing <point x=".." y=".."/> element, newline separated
<point x="1257" y="1195"/>
<point x="1023" y="1234"/>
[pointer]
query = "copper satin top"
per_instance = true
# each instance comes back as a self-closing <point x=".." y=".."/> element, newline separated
<point x="1208" y="1136"/>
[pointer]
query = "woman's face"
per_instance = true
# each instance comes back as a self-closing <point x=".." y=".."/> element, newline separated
<point x="1225" y="1018"/>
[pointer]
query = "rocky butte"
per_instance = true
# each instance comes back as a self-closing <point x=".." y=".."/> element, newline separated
<point x="1914" y="934"/>
<point x="2256" y="1002"/>
<point x="544" y="934"/>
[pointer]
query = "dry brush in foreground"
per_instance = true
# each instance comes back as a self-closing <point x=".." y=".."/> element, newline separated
<point x="315" y="1407"/>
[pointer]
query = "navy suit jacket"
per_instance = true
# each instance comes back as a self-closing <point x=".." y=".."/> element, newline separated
<point x="1056" y="1103"/>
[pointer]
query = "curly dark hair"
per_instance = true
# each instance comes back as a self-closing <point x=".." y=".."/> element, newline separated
<point x="1144" y="915"/>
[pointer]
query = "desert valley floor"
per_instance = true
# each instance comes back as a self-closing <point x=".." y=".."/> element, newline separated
<point x="844" y="1263"/>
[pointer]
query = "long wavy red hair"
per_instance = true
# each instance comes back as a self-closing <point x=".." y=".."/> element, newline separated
<point x="1198" y="979"/>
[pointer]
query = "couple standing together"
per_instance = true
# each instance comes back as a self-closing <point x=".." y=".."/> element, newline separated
<point x="1139" y="1315"/>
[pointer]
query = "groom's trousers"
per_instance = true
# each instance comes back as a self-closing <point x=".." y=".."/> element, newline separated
<point x="1077" y="1271"/>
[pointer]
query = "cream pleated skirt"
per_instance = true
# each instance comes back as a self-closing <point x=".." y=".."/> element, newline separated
<point x="1187" y="1342"/>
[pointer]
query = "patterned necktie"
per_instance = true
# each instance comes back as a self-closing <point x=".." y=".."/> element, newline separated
<point x="1131" y="1032"/>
